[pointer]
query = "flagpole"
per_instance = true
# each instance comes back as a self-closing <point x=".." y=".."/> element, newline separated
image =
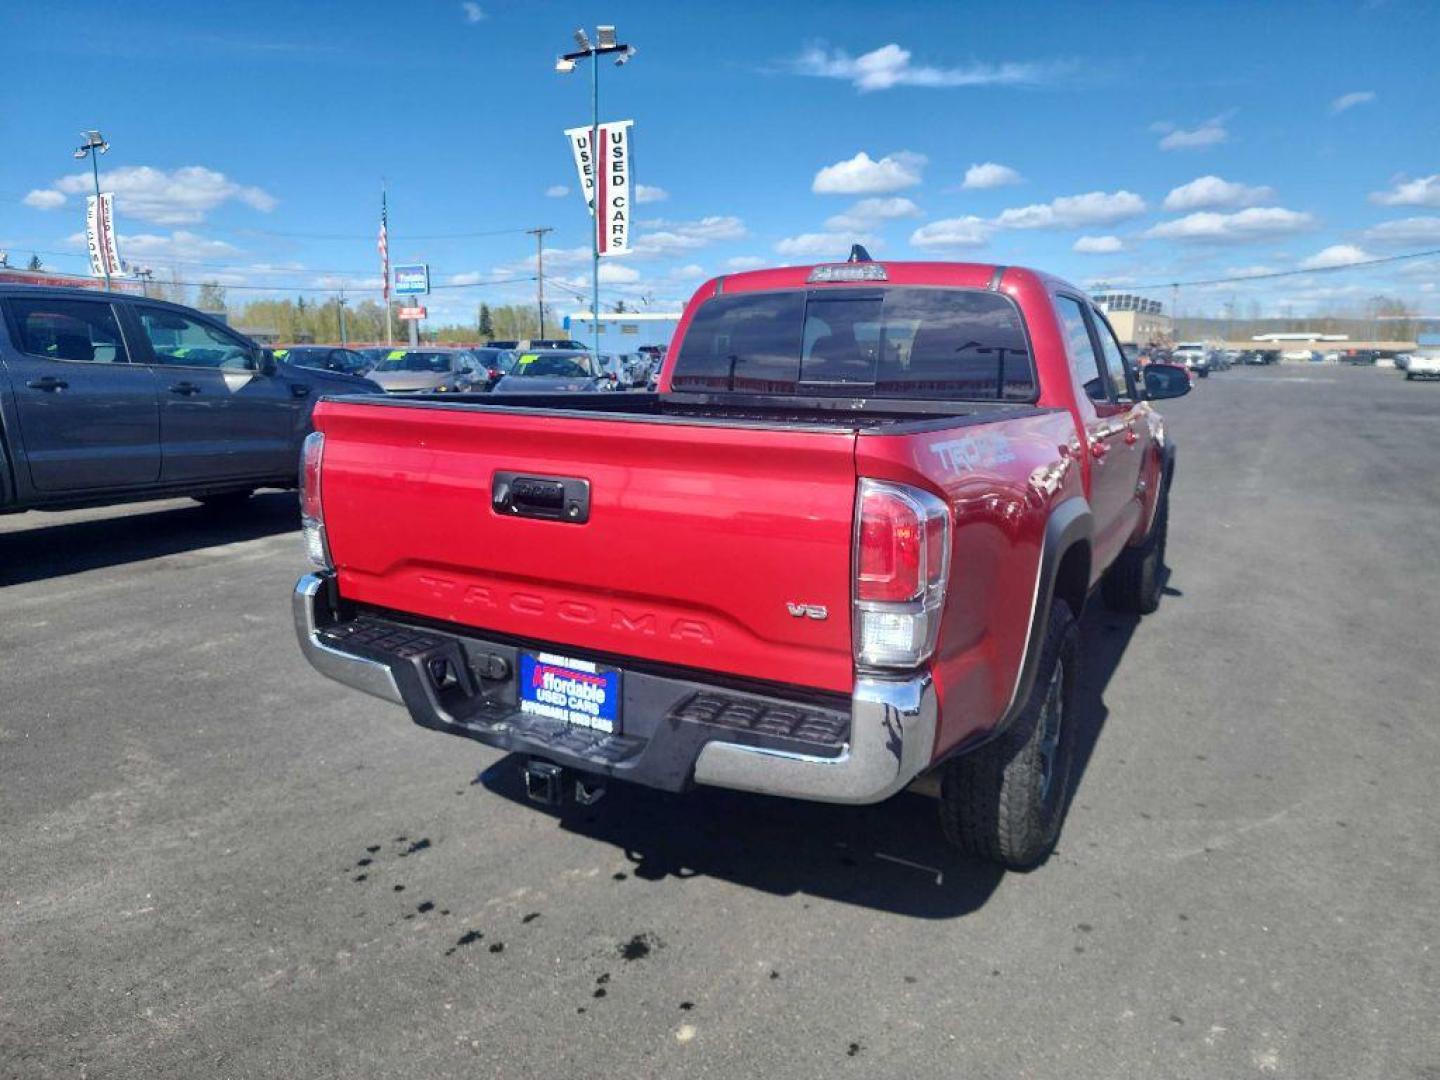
<point x="385" y="265"/>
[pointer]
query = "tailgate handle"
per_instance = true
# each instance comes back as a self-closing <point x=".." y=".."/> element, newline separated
<point x="549" y="498"/>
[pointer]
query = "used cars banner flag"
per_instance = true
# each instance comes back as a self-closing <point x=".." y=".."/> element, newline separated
<point x="616" y="183"/>
<point x="100" y="235"/>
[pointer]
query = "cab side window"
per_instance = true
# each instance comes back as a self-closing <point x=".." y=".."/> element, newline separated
<point x="79" y="330"/>
<point x="1089" y="367"/>
<point x="185" y="342"/>
<point x="1114" y="358"/>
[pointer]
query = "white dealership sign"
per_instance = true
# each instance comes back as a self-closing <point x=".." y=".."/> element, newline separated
<point x="100" y="235"/>
<point x="613" y="222"/>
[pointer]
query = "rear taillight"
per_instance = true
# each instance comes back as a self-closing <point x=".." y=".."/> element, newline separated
<point x="902" y="564"/>
<point x="312" y="508"/>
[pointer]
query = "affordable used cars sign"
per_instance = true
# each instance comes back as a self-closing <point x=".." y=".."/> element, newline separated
<point x="615" y="181"/>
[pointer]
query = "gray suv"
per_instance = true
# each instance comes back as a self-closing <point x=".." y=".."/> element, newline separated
<point x="109" y="398"/>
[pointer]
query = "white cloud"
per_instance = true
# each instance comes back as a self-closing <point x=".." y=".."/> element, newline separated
<point x="867" y="213"/>
<point x="660" y="237"/>
<point x="1098" y="245"/>
<point x="1256" y="223"/>
<point x="556" y="191"/>
<point x="44" y="199"/>
<point x="1213" y="193"/>
<point x="613" y="273"/>
<point x="647" y="193"/>
<point x="1350" y="100"/>
<point x="1416" y="231"/>
<point x="990" y="175"/>
<point x="820" y="245"/>
<point x="1422" y="191"/>
<point x="473" y="12"/>
<point x="1074" y="211"/>
<point x="180" y="246"/>
<point x="688" y="272"/>
<point x="1335" y="255"/>
<point x="180" y="197"/>
<point x="1211" y="133"/>
<point x="862" y="175"/>
<point x="745" y="262"/>
<point x="890" y="65"/>
<point x="961" y="232"/>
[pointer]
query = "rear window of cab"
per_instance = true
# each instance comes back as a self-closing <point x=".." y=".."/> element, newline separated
<point x="891" y="342"/>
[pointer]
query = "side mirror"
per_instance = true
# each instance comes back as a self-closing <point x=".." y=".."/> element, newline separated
<point x="1165" y="381"/>
<point x="267" y="364"/>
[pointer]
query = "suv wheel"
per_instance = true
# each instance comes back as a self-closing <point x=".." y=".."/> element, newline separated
<point x="1005" y="801"/>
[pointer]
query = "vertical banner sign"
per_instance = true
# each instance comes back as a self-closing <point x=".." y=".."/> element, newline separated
<point x="615" y="182"/>
<point x="100" y="235"/>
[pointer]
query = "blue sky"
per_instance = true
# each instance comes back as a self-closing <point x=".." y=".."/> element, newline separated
<point x="1117" y="143"/>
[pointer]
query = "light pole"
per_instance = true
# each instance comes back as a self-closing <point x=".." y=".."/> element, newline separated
<point x="93" y="146"/>
<point x="605" y="44"/>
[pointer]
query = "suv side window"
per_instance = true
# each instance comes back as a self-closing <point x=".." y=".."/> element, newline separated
<point x="179" y="340"/>
<point x="1088" y="366"/>
<point x="1114" y="358"/>
<point x="80" y="330"/>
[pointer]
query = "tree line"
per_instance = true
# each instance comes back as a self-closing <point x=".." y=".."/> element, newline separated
<point x="302" y="320"/>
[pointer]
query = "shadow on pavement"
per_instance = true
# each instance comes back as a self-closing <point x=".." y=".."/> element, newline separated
<point x="891" y="857"/>
<point x="55" y="550"/>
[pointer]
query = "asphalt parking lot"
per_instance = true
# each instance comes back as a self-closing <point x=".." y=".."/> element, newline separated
<point x="214" y="862"/>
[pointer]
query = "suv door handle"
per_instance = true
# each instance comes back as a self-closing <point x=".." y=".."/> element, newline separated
<point x="298" y="389"/>
<point x="48" y="382"/>
<point x="186" y="388"/>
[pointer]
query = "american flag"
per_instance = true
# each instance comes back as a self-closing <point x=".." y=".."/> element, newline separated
<point x="383" y="244"/>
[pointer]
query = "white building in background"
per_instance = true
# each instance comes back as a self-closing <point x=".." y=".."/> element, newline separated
<point x="626" y="331"/>
<point x="1137" y="321"/>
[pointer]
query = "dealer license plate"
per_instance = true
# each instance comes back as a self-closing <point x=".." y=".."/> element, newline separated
<point x="575" y="692"/>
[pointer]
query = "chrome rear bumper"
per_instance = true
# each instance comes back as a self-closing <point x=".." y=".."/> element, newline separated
<point x="891" y="738"/>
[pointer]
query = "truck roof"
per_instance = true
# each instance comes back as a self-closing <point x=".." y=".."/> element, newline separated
<point x="897" y="272"/>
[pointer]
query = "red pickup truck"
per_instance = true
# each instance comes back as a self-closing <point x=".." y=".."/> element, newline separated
<point x="843" y="547"/>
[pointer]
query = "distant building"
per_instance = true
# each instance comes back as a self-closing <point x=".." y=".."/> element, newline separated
<point x="1137" y="321"/>
<point x="624" y="332"/>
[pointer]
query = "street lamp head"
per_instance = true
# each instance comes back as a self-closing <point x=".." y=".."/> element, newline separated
<point x="606" y="35"/>
<point x="564" y="66"/>
<point x="625" y="56"/>
<point x="582" y="39"/>
<point x="80" y="154"/>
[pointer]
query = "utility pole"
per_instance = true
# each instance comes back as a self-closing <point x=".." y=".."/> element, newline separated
<point x="340" y="310"/>
<point x="539" y="234"/>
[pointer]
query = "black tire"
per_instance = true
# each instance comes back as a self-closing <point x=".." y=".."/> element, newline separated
<point x="1408" y="376"/>
<point x="1005" y="801"/>
<point x="1133" y="584"/>
<point x="225" y="501"/>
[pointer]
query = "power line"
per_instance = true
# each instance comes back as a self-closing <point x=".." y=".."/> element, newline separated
<point x="161" y="282"/>
<point x="1288" y="273"/>
<point x="405" y="237"/>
